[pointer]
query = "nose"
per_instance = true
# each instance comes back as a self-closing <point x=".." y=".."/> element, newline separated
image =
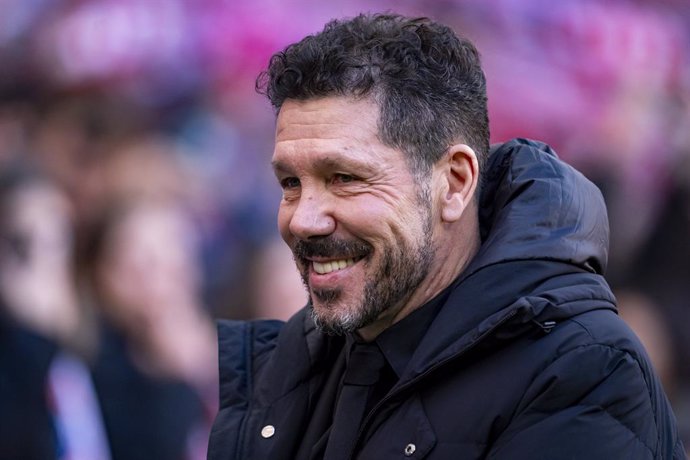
<point x="312" y="216"/>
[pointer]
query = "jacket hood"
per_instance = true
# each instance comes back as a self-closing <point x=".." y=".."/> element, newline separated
<point x="534" y="206"/>
<point x="544" y="249"/>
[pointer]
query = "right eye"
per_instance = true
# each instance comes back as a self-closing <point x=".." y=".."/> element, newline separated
<point x="289" y="183"/>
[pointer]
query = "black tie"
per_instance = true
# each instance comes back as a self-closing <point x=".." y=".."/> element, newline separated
<point x="361" y="374"/>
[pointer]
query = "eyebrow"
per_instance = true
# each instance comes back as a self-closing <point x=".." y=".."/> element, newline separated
<point x="278" y="165"/>
<point x="330" y="162"/>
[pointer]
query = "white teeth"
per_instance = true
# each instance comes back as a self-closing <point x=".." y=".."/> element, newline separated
<point x="328" y="267"/>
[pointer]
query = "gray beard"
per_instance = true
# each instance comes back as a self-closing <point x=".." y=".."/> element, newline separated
<point x="402" y="271"/>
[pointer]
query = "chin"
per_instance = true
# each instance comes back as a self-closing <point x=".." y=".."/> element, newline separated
<point x="334" y="319"/>
<point x="337" y="317"/>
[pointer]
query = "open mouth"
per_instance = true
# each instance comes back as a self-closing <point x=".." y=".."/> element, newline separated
<point x="334" y="265"/>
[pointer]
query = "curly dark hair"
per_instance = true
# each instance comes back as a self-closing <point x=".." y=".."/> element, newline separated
<point x="426" y="80"/>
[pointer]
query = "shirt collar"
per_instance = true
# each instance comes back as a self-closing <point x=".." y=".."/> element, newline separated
<point x="399" y="342"/>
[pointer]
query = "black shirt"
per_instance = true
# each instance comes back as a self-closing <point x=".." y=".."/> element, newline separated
<point x="397" y="344"/>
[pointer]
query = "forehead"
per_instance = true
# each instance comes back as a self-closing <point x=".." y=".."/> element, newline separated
<point x="337" y="115"/>
<point x="332" y="128"/>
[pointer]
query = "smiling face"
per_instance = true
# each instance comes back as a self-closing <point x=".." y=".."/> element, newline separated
<point x="359" y="225"/>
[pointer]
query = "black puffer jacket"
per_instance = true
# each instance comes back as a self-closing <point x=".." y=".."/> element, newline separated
<point x="527" y="358"/>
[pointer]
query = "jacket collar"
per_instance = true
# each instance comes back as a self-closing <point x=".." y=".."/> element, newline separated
<point x="544" y="248"/>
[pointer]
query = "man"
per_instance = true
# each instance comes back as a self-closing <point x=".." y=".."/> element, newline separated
<point x="443" y="323"/>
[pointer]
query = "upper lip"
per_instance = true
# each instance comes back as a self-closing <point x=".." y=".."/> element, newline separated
<point x="330" y="259"/>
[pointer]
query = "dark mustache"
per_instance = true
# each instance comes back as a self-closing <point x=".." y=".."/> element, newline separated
<point x="330" y="247"/>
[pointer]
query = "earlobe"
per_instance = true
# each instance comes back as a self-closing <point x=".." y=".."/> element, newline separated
<point x="461" y="173"/>
<point x="453" y="209"/>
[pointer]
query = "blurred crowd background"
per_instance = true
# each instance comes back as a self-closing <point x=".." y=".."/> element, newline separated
<point x="137" y="203"/>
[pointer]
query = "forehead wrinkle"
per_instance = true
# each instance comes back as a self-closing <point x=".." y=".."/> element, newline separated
<point x="304" y="128"/>
<point x="312" y="121"/>
<point x="325" y="145"/>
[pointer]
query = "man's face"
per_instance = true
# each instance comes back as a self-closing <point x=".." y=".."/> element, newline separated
<point x="356" y="220"/>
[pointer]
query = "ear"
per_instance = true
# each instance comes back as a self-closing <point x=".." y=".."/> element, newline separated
<point x="460" y="170"/>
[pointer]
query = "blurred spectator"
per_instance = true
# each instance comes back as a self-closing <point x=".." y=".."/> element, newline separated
<point x="35" y="267"/>
<point x="140" y="380"/>
<point x="48" y="400"/>
<point x="156" y="353"/>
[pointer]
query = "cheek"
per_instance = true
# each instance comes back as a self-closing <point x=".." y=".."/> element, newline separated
<point x="284" y="216"/>
<point x="379" y="219"/>
<point x="408" y="228"/>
